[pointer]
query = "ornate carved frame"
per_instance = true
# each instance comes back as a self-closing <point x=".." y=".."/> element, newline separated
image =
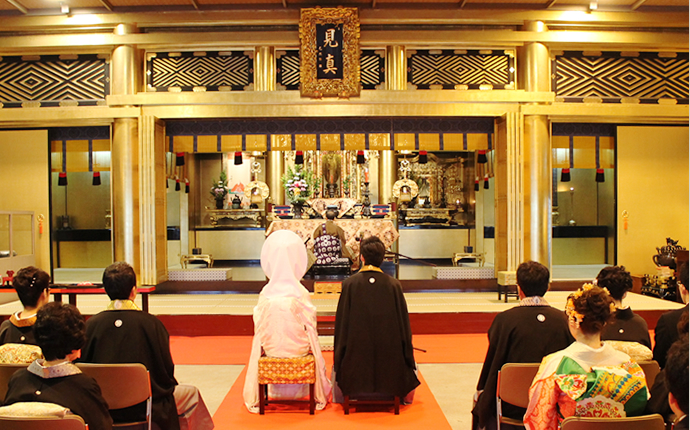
<point x="310" y="86"/>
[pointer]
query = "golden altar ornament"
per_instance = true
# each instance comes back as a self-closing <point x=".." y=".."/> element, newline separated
<point x="405" y="190"/>
<point x="256" y="191"/>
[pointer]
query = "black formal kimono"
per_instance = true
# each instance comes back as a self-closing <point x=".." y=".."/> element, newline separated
<point x="523" y="334"/>
<point x="15" y="330"/>
<point x="134" y="336"/>
<point x="77" y="392"/>
<point x="627" y="326"/>
<point x="373" y="341"/>
<point x="665" y="333"/>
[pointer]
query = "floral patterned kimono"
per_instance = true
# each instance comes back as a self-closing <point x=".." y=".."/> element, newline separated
<point x="584" y="381"/>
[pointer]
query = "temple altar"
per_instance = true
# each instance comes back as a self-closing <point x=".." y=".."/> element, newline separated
<point x="354" y="228"/>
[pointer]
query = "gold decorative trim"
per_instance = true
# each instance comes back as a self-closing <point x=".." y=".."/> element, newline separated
<point x="414" y="188"/>
<point x="310" y="84"/>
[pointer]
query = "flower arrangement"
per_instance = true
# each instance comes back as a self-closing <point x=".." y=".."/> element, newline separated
<point x="220" y="188"/>
<point x="299" y="184"/>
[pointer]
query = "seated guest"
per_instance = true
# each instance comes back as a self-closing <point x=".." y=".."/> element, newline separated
<point x="588" y="378"/>
<point x="627" y="326"/>
<point x="125" y="334"/>
<point x="59" y="331"/>
<point x="31" y="285"/>
<point x="677" y="382"/>
<point x="285" y="321"/>
<point x="523" y="334"/>
<point x="330" y="241"/>
<point x="658" y="402"/>
<point x="373" y="341"/>
<point x="665" y="332"/>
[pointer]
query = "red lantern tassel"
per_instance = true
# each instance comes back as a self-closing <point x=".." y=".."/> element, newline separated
<point x="486" y="182"/>
<point x="62" y="179"/>
<point x="476" y="184"/>
<point x="299" y="157"/>
<point x="481" y="157"/>
<point x="238" y="158"/>
<point x="360" y="157"/>
<point x="179" y="159"/>
<point x="423" y="158"/>
<point x="565" y="175"/>
<point x="186" y="186"/>
<point x="96" y="178"/>
<point x="600" y="175"/>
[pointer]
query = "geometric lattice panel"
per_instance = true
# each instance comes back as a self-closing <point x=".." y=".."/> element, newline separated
<point x="448" y="68"/>
<point x="213" y="71"/>
<point x="647" y="77"/>
<point x="372" y="69"/>
<point x="48" y="80"/>
<point x="371" y="65"/>
<point x="287" y="70"/>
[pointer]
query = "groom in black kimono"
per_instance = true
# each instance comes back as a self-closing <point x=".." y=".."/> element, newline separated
<point x="373" y="341"/>
<point x="523" y="334"/>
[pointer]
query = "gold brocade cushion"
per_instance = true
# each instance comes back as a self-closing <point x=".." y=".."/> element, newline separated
<point x="19" y="353"/>
<point x="297" y="370"/>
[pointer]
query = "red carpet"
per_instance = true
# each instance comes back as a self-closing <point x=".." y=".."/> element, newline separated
<point x="424" y="413"/>
<point x="447" y="348"/>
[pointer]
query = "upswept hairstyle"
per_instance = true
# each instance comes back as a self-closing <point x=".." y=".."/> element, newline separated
<point x="118" y="280"/>
<point x="373" y="250"/>
<point x="59" y="330"/>
<point x="592" y="307"/>
<point x="677" y="372"/>
<point x="615" y="279"/>
<point x="30" y="282"/>
<point x="533" y="278"/>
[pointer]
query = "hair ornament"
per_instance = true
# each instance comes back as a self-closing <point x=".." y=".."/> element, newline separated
<point x="570" y="311"/>
<point x="33" y="280"/>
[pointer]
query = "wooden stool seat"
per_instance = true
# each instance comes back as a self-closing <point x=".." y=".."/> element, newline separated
<point x="295" y="370"/>
<point x="395" y="402"/>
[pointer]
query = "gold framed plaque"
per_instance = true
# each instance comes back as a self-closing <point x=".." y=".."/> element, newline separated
<point x="329" y="52"/>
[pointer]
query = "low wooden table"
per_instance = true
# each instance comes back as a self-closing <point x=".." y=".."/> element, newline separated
<point x="73" y="290"/>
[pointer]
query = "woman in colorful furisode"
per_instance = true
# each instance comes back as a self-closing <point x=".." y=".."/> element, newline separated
<point x="285" y="321"/>
<point x="588" y="378"/>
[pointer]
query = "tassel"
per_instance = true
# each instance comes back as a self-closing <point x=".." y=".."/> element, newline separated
<point x="360" y="157"/>
<point x="238" y="158"/>
<point x="62" y="179"/>
<point x="177" y="185"/>
<point x="476" y="184"/>
<point x="423" y="159"/>
<point x="166" y="182"/>
<point x="186" y="186"/>
<point x="565" y="175"/>
<point x="96" y="178"/>
<point x="486" y="182"/>
<point x="179" y="159"/>
<point x="299" y="157"/>
<point x="600" y="175"/>
<point x="481" y="157"/>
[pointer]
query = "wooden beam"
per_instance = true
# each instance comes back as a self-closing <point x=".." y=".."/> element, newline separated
<point x="19" y="6"/>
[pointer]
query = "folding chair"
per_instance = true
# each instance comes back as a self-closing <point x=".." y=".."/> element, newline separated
<point x="122" y="386"/>
<point x="514" y="380"/>
<point x="69" y="422"/>
<point x="645" y="422"/>
<point x="6" y="372"/>
<point x="650" y="369"/>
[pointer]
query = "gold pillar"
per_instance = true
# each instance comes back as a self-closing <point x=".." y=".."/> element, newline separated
<point x="125" y="190"/>
<point x="535" y="75"/>
<point x="125" y="79"/>
<point x="388" y="174"/>
<point x="264" y="68"/>
<point x="274" y="170"/>
<point x="396" y="71"/>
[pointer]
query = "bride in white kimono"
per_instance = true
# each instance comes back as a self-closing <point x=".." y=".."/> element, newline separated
<point x="285" y="321"/>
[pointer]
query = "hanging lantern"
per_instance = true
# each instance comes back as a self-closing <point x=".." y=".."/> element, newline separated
<point x="299" y="157"/>
<point x="177" y="184"/>
<point x="360" y="157"/>
<point x="96" y="178"/>
<point x="565" y="175"/>
<point x="179" y="159"/>
<point x="423" y="159"/>
<point x="405" y="194"/>
<point x="186" y="186"/>
<point x="476" y="184"/>
<point x="600" y="175"/>
<point x="62" y="179"/>
<point x="486" y="182"/>
<point x="481" y="156"/>
<point x="238" y="158"/>
<point x="256" y="196"/>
